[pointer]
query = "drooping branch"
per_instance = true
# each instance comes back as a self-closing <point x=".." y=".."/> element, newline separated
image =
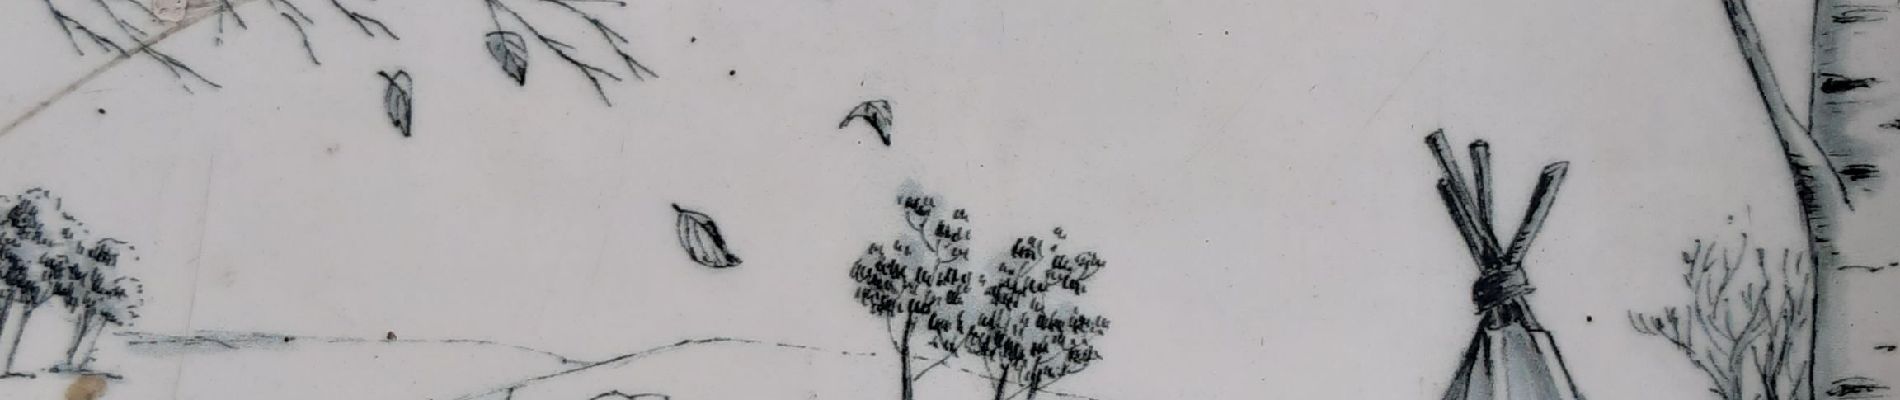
<point x="364" y="22"/>
<point x="564" y="51"/>
<point x="137" y="38"/>
<point x="138" y="35"/>
<point x="613" y="37"/>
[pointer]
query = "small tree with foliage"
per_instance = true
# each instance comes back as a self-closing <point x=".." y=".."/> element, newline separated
<point x="99" y="295"/>
<point x="917" y="283"/>
<point x="37" y="239"/>
<point x="1030" y="331"/>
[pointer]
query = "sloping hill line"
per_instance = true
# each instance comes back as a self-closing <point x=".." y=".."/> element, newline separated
<point x="625" y="358"/>
<point x="237" y="340"/>
<point x="629" y="357"/>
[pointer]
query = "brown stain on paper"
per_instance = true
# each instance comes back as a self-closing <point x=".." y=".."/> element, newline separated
<point x="87" y="387"/>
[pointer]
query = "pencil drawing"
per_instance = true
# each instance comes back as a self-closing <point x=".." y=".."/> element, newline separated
<point x="700" y="237"/>
<point x="47" y="254"/>
<point x="615" y="41"/>
<point x="617" y="395"/>
<point x="1511" y="356"/>
<point x="1835" y="162"/>
<point x="133" y="29"/>
<point x="1747" y="320"/>
<point x="511" y="53"/>
<point x="1027" y="329"/>
<point x="876" y="113"/>
<point x="398" y="99"/>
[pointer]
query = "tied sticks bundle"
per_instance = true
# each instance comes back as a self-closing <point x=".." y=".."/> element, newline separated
<point x="1511" y="356"/>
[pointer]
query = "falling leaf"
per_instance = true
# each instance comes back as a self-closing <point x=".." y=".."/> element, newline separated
<point x="397" y="98"/>
<point x="511" y="52"/>
<point x="700" y="236"/>
<point x="874" y="112"/>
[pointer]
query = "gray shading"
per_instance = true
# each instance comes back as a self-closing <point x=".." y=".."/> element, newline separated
<point x="48" y="257"/>
<point x="1511" y="355"/>
<point x="511" y="53"/>
<point x="876" y="113"/>
<point x="1019" y="316"/>
<point x="213" y="341"/>
<point x="700" y="237"/>
<point x="1836" y="158"/>
<point x="399" y="100"/>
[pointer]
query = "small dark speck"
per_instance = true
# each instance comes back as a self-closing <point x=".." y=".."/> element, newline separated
<point x="694" y="39"/>
<point x="1587" y="318"/>
<point x="732" y="72"/>
<point x="102" y="111"/>
<point x="389" y="336"/>
<point x="287" y="339"/>
<point x="1224" y="33"/>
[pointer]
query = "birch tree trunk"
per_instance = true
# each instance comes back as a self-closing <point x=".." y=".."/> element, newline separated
<point x="1855" y="118"/>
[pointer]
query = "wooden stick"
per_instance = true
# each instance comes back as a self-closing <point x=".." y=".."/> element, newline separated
<point x="1458" y="219"/>
<point x="1487" y="243"/>
<point x="1481" y="182"/>
<point x="1541" y="200"/>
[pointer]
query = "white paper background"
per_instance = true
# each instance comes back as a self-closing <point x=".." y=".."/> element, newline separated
<point x="1253" y="171"/>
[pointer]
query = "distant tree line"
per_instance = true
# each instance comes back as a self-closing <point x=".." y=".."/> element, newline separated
<point x="1017" y="316"/>
<point x="45" y="255"/>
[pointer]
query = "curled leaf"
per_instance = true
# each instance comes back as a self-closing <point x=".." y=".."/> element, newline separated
<point x="700" y="237"/>
<point x="874" y="112"/>
<point x="397" y="98"/>
<point x="511" y="53"/>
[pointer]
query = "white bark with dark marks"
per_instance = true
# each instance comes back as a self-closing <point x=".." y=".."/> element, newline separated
<point x="1837" y="165"/>
<point x="1857" y="241"/>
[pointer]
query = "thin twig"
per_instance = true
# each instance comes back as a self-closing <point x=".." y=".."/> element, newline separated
<point x="364" y="22"/>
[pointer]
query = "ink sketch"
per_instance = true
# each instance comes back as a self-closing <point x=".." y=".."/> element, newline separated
<point x="854" y="199"/>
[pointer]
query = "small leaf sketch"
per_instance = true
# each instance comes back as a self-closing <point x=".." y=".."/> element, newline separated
<point x="700" y="237"/>
<point x="511" y="53"/>
<point x="397" y="97"/>
<point x="874" y="112"/>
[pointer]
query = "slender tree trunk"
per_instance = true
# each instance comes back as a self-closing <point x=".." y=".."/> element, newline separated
<point x="1855" y="114"/>
<point x="81" y="326"/>
<point x="6" y="304"/>
<point x="1034" y="385"/>
<point x="91" y="342"/>
<point x="908" y="392"/>
<point x="19" y="331"/>
<point x="15" y="315"/>
<point x="1002" y="382"/>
